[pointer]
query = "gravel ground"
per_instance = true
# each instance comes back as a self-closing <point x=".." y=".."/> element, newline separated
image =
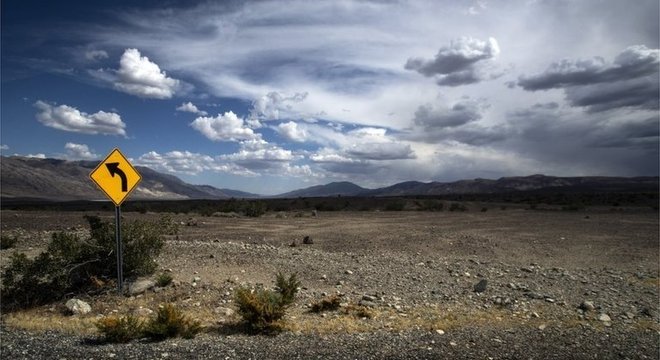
<point x="557" y="286"/>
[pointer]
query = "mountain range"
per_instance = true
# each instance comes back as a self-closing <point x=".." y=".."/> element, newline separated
<point x="60" y="180"/>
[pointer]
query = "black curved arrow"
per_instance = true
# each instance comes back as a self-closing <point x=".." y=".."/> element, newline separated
<point x="113" y="168"/>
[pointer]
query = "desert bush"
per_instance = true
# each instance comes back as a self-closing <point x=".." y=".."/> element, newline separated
<point x="395" y="206"/>
<point x="163" y="280"/>
<point x="7" y="242"/>
<point x="171" y="322"/>
<point x="69" y="264"/>
<point x="288" y="288"/>
<point x="254" y="208"/>
<point x="457" y="207"/>
<point x="116" y="329"/>
<point x="329" y="303"/>
<point x="262" y="308"/>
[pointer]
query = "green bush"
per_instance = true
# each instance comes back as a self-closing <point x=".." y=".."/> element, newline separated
<point x="170" y="322"/>
<point x="457" y="207"/>
<point x="115" y="329"/>
<point x="262" y="308"/>
<point x="69" y="265"/>
<point x="7" y="242"/>
<point x="254" y="208"/>
<point x="164" y="280"/>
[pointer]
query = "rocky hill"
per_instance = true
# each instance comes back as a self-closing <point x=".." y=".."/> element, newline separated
<point x="55" y="179"/>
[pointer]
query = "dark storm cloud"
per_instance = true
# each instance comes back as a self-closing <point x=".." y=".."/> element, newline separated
<point x="381" y="151"/>
<point x="633" y="62"/>
<point x="463" y="112"/>
<point x="457" y="64"/>
<point x="630" y="81"/>
<point x="643" y="93"/>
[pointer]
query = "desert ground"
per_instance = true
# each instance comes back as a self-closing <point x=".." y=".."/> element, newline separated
<point x="560" y="285"/>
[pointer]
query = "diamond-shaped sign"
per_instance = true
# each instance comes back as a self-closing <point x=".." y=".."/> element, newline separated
<point x="116" y="177"/>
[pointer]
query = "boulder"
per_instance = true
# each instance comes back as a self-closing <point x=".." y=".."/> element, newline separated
<point x="140" y="286"/>
<point x="78" y="307"/>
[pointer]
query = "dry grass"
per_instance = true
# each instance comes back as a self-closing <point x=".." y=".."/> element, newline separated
<point x="38" y="320"/>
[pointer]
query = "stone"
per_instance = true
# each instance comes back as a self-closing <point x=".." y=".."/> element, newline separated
<point x="140" y="286"/>
<point x="542" y="327"/>
<point x="604" y="318"/>
<point x="348" y="272"/>
<point x="142" y="311"/>
<point x="197" y="279"/>
<point x="527" y="269"/>
<point x="293" y="244"/>
<point x="587" y="305"/>
<point x="315" y="213"/>
<point x="369" y="298"/>
<point x="308" y="240"/>
<point x="440" y="332"/>
<point x="224" y="311"/>
<point x="481" y="286"/>
<point x="78" y="307"/>
<point x="534" y="295"/>
<point x="453" y="343"/>
<point x="366" y="303"/>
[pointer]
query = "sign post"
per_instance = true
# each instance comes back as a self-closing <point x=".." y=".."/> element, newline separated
<point x="116" y="188"/>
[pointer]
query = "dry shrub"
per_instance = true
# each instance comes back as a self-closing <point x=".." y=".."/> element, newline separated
<point x="329" y="303"/>
<point x="116" y="329"/>
<point x="262" y="308"/>
<point x="171" y="322"/>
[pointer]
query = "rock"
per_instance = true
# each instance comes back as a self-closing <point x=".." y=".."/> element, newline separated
<point x="366" y="303"/>
<point x="142" y="311"/>
<point x="542" y="327"/>
<point x="315" y="213"/>
<point x="224" y="311"/>
<point x="527" y="269"/>
<point x="453" y="343"/>
<point x="629" y="315"/>
<point x="324" y="277"/>
<point x="369" y="298"/>
<point x="604" y="318"/>
<point x="440" y="332"/>
<point x="348" y="272"/>
<point x="78" y="307"/>
<point x="534" y="295"/>
<point x="293" y="244"/>
<point x="197" y="279"/>
<point x="587" y="305"/>
<point x="140" y="286"/>
<point x="481" y="286"/>
<point x="308" y="240"/>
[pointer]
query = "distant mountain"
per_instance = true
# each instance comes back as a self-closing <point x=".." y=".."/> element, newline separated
<point x="343" y="188"/>
<point x="55" y="179"/>
<point x="487" y="186"/>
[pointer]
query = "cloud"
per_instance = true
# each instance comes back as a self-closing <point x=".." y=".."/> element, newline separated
<point x="274" y="106"/>
<point x="36" y="156"/>
<point x="79" y="152"/>
<point x="257" y="154"/>
<point x="4" y="147"/>
<point x="462" y="112"/>
<point x="96" y="55"/>
<point x="633" y="62"/>
<point x="191" y="108"/>
<point x="631" y="80"/>
<point x="68" y="118"/>
<point x="373" y="144"/>
<point x="138" y="76"/>
<point x="226" y="127"/>
<point x="291" y="132"/>
<point x="185" y="162"/>
<point x="457" y="64"/>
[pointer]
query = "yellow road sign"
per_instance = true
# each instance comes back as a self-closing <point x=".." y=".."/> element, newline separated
<point x="116" y="177"/>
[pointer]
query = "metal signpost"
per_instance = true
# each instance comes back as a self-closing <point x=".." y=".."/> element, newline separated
<point x="116" y="177"/>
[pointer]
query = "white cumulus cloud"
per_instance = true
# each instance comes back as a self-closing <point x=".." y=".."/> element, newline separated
<point x="225" y="127"/>
<point x="191" y="108"/>
<point x="79" y="152"/>
<point x="68" y="118"/>
<point x="138" y="76"/>
<point x="291" y="131"/>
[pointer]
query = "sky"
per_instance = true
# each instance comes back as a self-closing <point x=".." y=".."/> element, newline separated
<point x="271" y="96"/>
